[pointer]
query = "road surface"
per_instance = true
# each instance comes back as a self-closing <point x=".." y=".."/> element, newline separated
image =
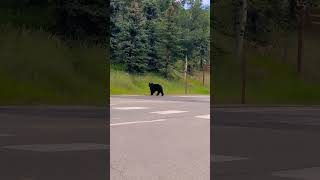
<point x="266" y="143"/>
<point x="53" y="143"/>
<point x="160" y="138"/>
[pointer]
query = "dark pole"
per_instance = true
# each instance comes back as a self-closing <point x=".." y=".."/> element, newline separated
<point x="301" y="17"/>
<point x="300" y="46"/>
<point x="203" y="74"/>
<point x="244" y="72"/>
<point x="240" y="47"/>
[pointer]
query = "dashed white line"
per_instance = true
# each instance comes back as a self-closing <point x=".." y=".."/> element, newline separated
<point x="204" y="116"/>
<point x="130" y="108"/>
<point x="127" y="95"/>
<point x="153" y="101"/>
<point x="6" y="135"/>
<point x="222" y="158"/>
<point x="168" y="112"/>
<point x="138" y="122"/>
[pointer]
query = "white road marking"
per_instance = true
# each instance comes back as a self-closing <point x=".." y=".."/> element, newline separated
<point x="138" y="122"/>
<point x="130" y="108"/>
<point x="6" y="135"/>
<point x="222" y="158"/>
<point x="305" y="174"/>
<point x="153" y="101"/>
<point x="168" y="112"/>
<point x="142" y="101"/>
<point x="127" y="95"/>
<point x="204" y="116"/>
<point x="59" y="147"/>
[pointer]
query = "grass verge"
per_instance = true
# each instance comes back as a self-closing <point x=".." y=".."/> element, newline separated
<point x="268" y="82"/>
<point x="38" y="68"/>
<point x="124" y="83"/>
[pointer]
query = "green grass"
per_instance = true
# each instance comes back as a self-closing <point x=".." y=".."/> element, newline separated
<point x="38" y="68"/>
<point x="268" y="82"/>
<point x="270" y="79"/>
<point x="124" y="83"/>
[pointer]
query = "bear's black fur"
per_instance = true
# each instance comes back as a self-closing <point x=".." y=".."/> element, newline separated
<point x="156" y="87"/>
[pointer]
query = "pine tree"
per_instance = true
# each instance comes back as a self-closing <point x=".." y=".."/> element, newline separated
<point x="132" y="40"/>
<point x="170" y="45"/>
<point x="152" y="13"/>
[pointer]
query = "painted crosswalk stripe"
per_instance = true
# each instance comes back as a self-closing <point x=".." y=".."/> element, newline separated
<point x="168" y="112"/>
<point x="204" y="116"/>
<point x="222" y="158"/>
<point x="130" y="108"/>
<point x="138" y="122"/>
<point x="59" y="147"/>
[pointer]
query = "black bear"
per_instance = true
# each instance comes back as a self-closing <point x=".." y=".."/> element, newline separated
<point x="154" y="88"/>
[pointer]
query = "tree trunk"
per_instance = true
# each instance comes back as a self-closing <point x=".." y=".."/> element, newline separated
<point x="301" y="16"/>
<point x="300" y="46"/>
<point x="242" y="28"/>
<point x="285" y="52"/>
<point x="239" y="46"/>
<point x="244" y="78"/>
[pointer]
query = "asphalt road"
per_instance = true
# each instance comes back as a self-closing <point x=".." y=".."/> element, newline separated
<point x="53" y="143"/>
<point x="261" y="143"/>
<point x="160" y="138"/>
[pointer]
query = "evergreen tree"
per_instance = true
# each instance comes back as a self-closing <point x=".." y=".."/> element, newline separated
<point x="77" y="19"/>
<point x="151" y="35"/>
<point x="169" y="47"/>
<point x="132" y="40"/>
<point x="152" y="13"/>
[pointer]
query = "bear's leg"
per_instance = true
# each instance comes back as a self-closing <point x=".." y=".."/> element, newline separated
<point x="161" y="92"/>
<point x="158" y="93"/>
<point x="152" y="93"/>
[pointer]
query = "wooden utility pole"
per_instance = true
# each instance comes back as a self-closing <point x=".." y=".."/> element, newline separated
<point x="203" y="77"/>
<point x="185" y="75"/>
<point x="203" y="71"/>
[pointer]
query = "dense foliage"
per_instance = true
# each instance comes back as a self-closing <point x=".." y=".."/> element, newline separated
<point x="264" y="17"/>
<point x="152" y="35"/>
<point x="72" y="19"/>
